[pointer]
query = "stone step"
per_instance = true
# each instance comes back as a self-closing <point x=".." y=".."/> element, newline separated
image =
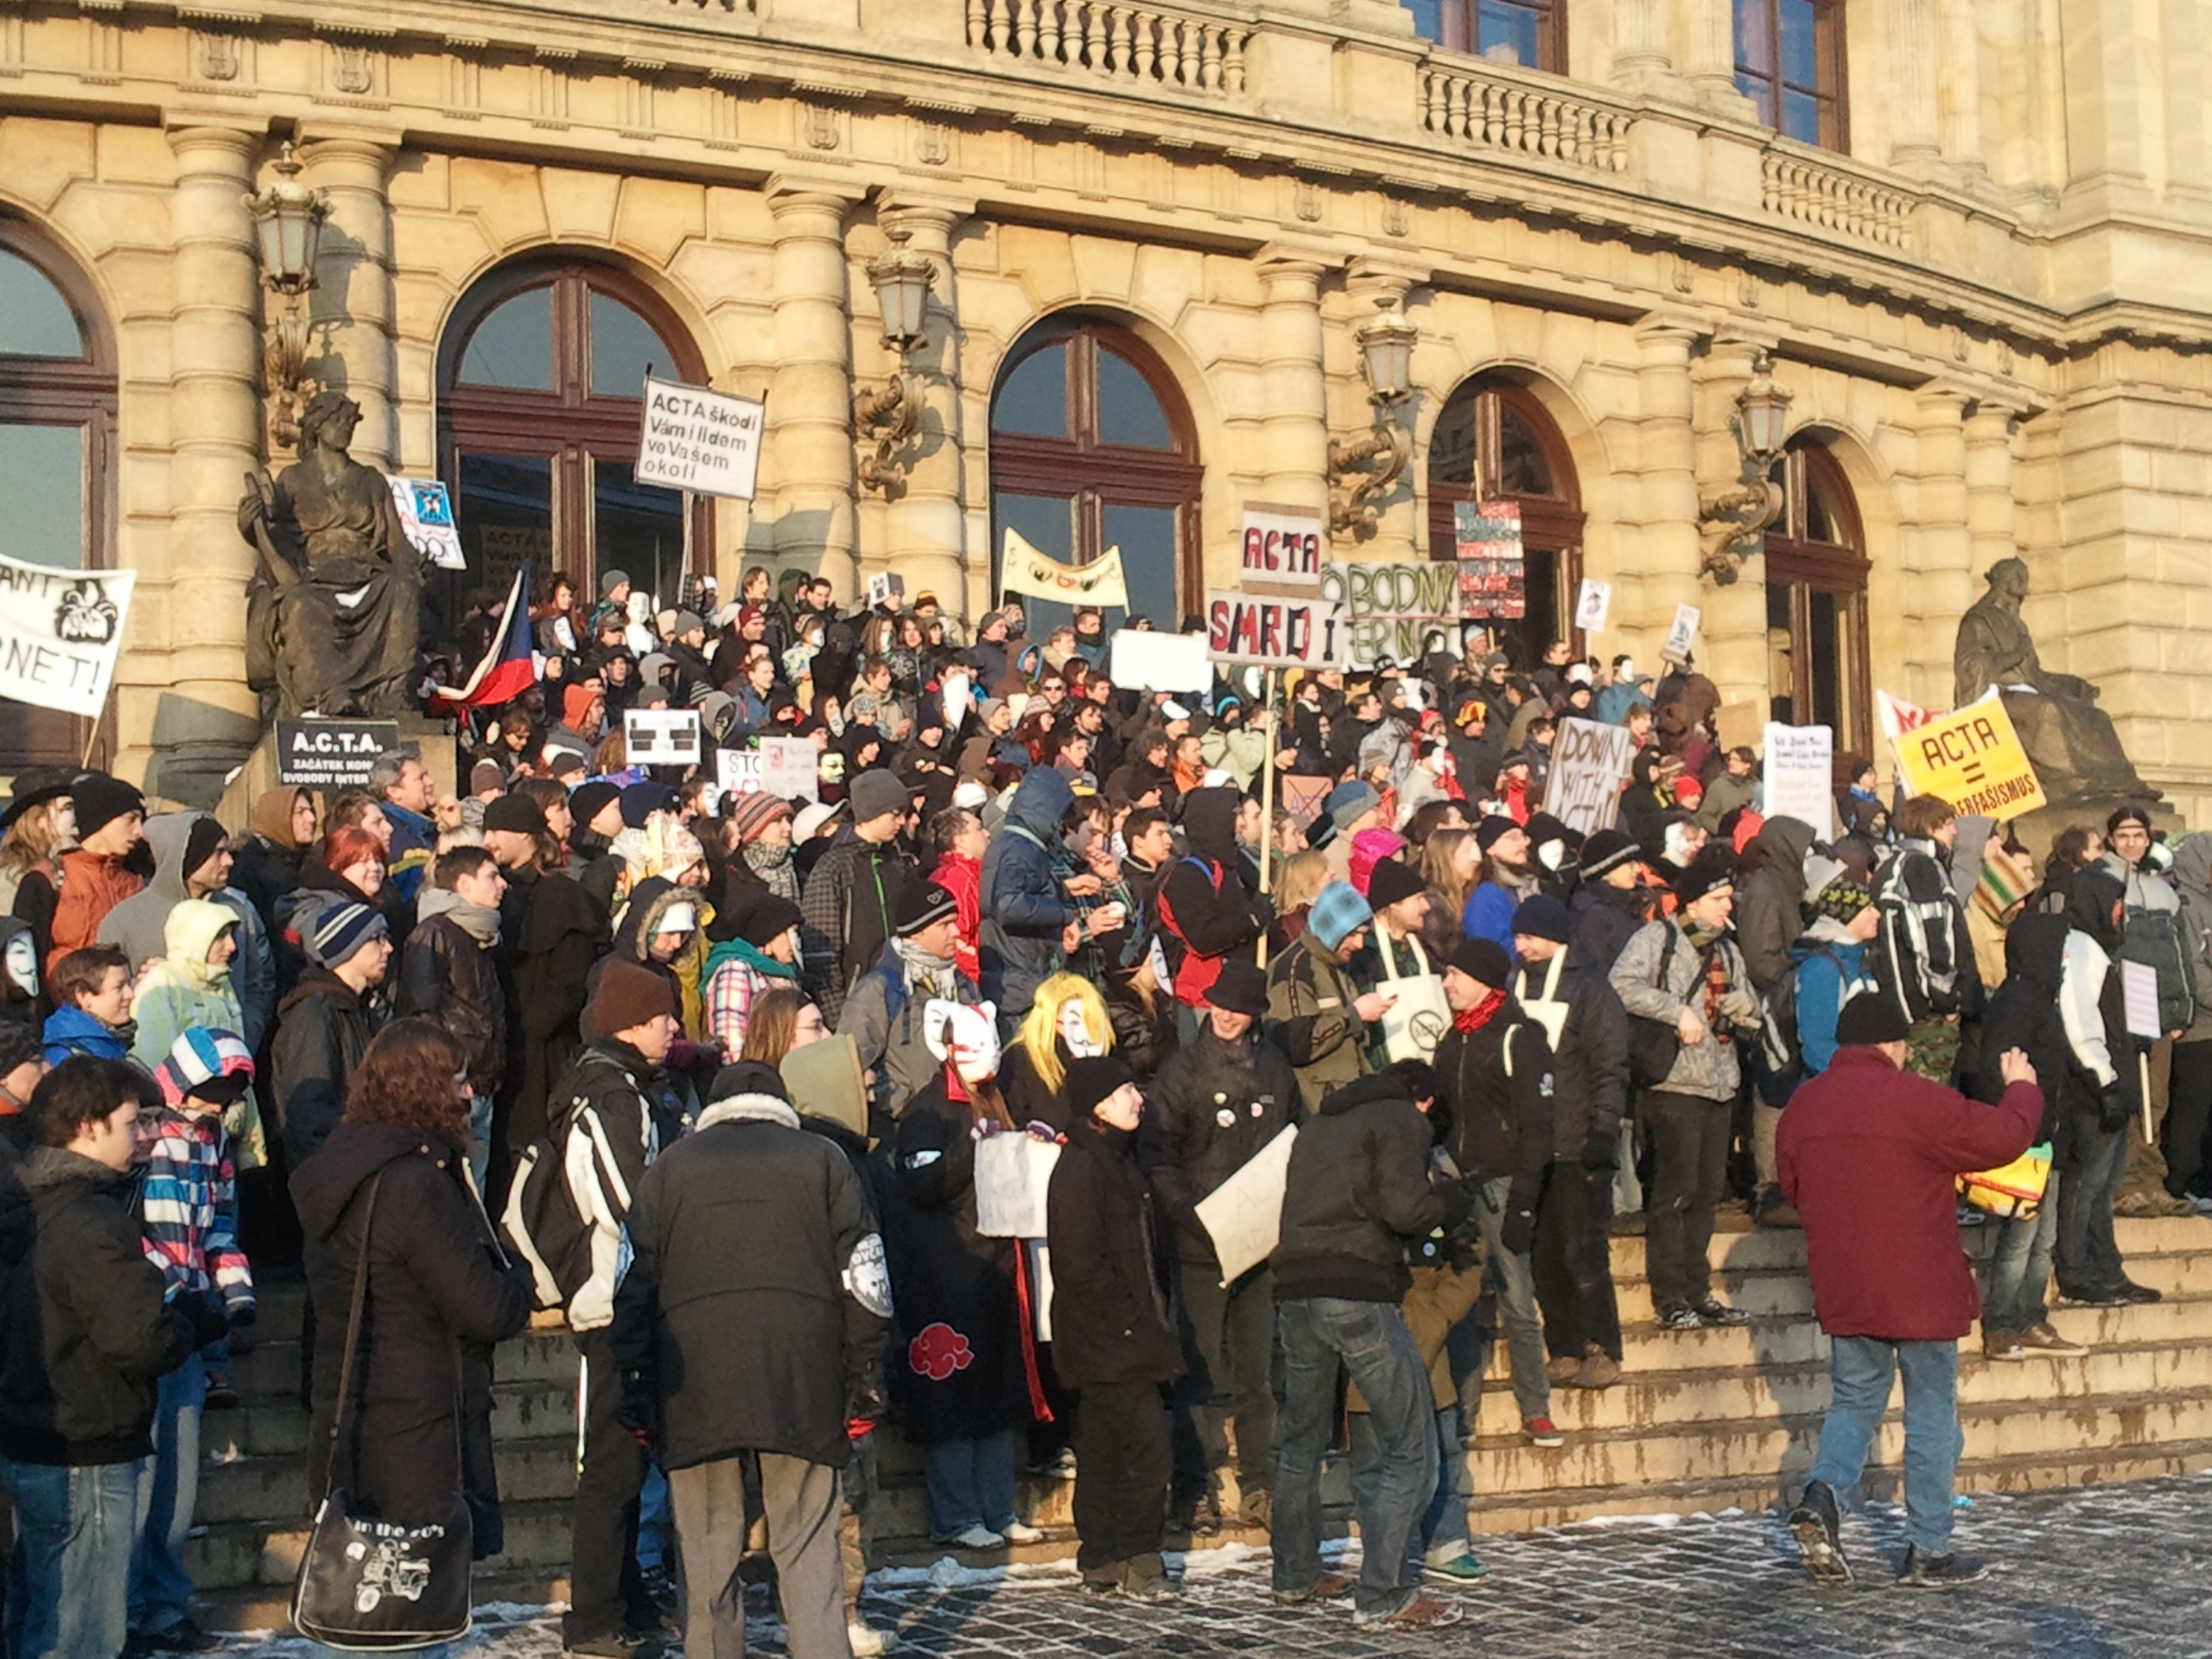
<point x="269" y="1370"/>
<point x="234" y="1555"/>
<point x="266" y="1490"/>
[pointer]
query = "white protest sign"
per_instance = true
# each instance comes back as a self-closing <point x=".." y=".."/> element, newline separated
<point x="1800" y="769"/>
<point x="2139" y="989"/>
<point x="661" y="737"/>
<point x="1244" y="1215"/>
<point x="1013" y="1174"/>
<point x="1684" y="630"/>
<point x="789" y="767"/>
<point x="1589" y="763"/>
<point x="426" y="514"/>
<point x="885" y="588"/>
<point x="956" y="690"/>
<point x="694" y="439"/>
<point x="60" y="632"/>
<point x="738" y="771"/>
<point x="1150" y="661"/>
<point x="1282" y="550"/>
<point x="1245" y="627"/>
<point x="1592" y="604"/>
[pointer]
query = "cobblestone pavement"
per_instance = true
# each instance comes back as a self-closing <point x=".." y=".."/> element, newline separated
<point x="2110" y="1572"/>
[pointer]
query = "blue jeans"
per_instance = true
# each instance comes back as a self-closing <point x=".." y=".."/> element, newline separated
<point x="2019" y="1271"/>
<point x="1442" y="1534"/>
<point x="2085" y="1253"/>
<point x="69" y="1575"/>
<point x="1392" y="1481"/>
<point x="971" y="1484"/>
<point x="1861" y="1369"/>
<point x="168" y="1486"/>
<point x="1514" y="1278"/>
<point x="656" y="1522"/>
<point x="479" y="1139"/>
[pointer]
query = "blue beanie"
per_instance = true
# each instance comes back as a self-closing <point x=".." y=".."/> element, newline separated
<point x="1338" y="909"/>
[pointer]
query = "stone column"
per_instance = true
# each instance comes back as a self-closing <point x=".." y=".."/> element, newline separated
<point x="351" y="305"/>
<point x="1294" y="422"/>
<point x="191" y="597"/>
<point x="1992" y="533"/>
<point x="1939" y="551"/>
<point x="1910" y="43"/>
<point x="1709" y="38"/>
<point x="1640" y="56"/>
<point x="927" y="521"/>
<point x="1665" y="560"/>
<point x="809" y="443"/>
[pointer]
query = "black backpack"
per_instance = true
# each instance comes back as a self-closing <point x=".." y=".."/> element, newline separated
<point x="1778" y="1062"/>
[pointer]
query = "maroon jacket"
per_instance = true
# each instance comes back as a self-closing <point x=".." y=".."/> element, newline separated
<point x="1870" y="1154"/>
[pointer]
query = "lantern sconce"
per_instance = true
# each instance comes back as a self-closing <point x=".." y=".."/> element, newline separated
<point x="287" y="220"/>
<point x="1373" y="464"/>
<point x="891" y="414"/>
<point x="1733" y="522"/>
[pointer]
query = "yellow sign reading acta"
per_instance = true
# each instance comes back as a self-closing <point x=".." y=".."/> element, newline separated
<point x="1974" y="758"/>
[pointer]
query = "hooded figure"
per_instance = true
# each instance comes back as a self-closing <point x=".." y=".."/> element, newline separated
<point x="1024" y="910"/>
<point x="269" y="853"/>
<point x="1207" y="914"/>
<point x="184" y="992"/>
<point x="1770" y="905"/>
<point x="2023" y="1013"/>
<point x="182" y="842"/>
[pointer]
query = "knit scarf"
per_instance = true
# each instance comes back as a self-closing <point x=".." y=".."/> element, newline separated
<point x="1467" y="1021"/>
<point x="1705" y="942"/>
<point x="753" y="957"/>
<point x="773" y="866"/>
<point x="927" y="976"/>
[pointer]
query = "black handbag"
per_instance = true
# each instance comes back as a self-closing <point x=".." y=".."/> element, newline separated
<point x="371" y="1586"/>
<point x="1654" y="1045"/>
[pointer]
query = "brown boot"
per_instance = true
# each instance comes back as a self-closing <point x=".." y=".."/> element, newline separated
<point x="1997" y="1342"/>
<point x="1561" y="1371"/>
<point x="1599" y="1370"/>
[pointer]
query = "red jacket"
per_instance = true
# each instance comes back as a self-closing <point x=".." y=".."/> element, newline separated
<point x="1870" y="1154"/>
<point x="963" y="879"/>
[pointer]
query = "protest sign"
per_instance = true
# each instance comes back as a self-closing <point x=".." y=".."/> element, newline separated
<point x="1590" y="764"/>
<point x="1390" y="610"/>
<point x="1972" y="758"/>
<point x="1799" y="770"/>
<point x="60" y="632"/>
<point x="789" y="768"/>
<point x="426" y="515"/>
<point x="698" y="440"/>
<point x="332" y="753"/>
<point x="956" y="696"/>
<point x="1013" y="1173"/>
<point x="1592" y="604"/>
<point x="1302" y="797"/>
<point x="1493" y="573"/>
<point x="738" y="771"/>
<point x="1244" y="1215"/>
<point x="2138" y="990"/>
<point x="885" y="588"/>
<point x="1150" y="661"/>
<point x="1245" y="627"/>
<point x="1677" y="648"/>
<point x="1023" y="569"/>
<point x="1281" y="548"/>
<point x="661" y="737"/>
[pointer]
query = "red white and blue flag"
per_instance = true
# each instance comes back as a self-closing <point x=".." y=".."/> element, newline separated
<point x="509" y="668"/>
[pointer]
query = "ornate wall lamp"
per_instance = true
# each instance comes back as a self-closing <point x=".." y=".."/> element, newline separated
<point x="1733" y="522"/>
<point x="1372" y="465"/>
<point x="892" y="413"/>
<point x="287" y="220"/>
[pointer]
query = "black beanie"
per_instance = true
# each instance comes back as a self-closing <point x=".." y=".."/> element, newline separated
<point x="1868" y="1018"/>
<point x="200" y="843"/>
<point x="1091" y="1079"/>
<point x="516" y="814"/>
<point x="759" y="917"/>
<point x="102" y="799"/>
<point x="1484" y="961"/>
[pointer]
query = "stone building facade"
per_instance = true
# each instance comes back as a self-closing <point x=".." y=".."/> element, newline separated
<point x="1155" y="230"/>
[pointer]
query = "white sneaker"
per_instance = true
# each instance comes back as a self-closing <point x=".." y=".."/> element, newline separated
<point x="1017" y="1533"/>
<point x="865" y="1641"/>
<point x="974" y="1538"/>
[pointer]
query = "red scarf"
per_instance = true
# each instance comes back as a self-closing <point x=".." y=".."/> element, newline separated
<point x="1470" y="1020"/>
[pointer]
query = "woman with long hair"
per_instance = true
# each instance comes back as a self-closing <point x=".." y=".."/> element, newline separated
<point x="782" y="1019"/>
<point x="41" y="824"/>
<point x="390" y="1185"/>
<point x="1303" y="876"/>
<point x="1449" y="865"/>
<point x="1068" y="1020"/>
<point x="967" y="1372"/>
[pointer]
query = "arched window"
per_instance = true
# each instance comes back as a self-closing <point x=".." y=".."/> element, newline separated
<point x="540" y="382"/>
<point x="1091" y="449"/>
<point x="1817" y="669"/>
<point x="1495" y="441"/>
<point x="57" y="434"/>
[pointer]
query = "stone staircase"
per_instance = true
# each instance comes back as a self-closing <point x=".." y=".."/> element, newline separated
<point x="1703" y="1420"/>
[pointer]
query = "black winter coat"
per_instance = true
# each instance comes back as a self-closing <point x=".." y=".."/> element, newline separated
<point x="753" y="1312"/>
<point x="1589" y="1062"/>
<point x="1359" y="1193"/>
<point x="1501" y="1124"/>
<point x="322" y="1028"/>
<point x="83" y="1333"/>
<point x="437" y="1282"/>
<point x="1605" y="920"/>
<point x="962" y="1366"/>
<point x="445" y="974"/>
<point x="1186" y="1146"/>
<point x="550" y="932"/>
<point x="1109" y="1306"/>
<point x="2023" y="1013"/>
<point x="1197" y="914"/>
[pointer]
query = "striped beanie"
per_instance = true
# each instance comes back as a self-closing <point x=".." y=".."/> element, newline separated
<point x="340" y="931"/>
<point x="751" y="815"/>
<point x="1338" y="909"/>
<point x="198" y="1058"/>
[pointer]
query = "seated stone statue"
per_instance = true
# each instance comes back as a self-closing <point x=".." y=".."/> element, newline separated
<point x="2070" y="742"/>
<point x="334" y="617"/>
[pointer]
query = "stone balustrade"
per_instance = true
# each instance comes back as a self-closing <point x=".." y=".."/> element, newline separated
<point x="1490" y="112"/>
<point x="1140" y="45"/>
<point x="1835" y="197"/>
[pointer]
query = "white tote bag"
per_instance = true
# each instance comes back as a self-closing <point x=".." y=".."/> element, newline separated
<point x="1014" y="1172"/>
<point x="1416" y="1022"/>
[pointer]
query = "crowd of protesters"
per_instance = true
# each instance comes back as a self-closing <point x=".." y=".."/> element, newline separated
<point x="570" y="993"/>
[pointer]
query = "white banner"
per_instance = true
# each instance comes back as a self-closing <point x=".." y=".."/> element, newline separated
<point x="1151" y="661"/>
<point x="1800" y="769"/>
<point x="1023" y="569"/>
<point x="1014" y="1172"/>
<point x="60" y="632"/>
<point x="1282" y="550"/>
<point x="1589" y="763"/>
<point x="1244" y="1215"/>
<point x="738" y="771"/>
<point x="661" y="737"/>
<point x="791" y="767"/>
<point x="1592" y="604"/>
<point x="1242" y="627"/>
<point x="698" y="440"/>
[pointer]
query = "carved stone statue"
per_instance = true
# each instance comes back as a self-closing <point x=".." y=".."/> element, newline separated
<point x="2071" y="742"/>
<point x="334" y="617"/>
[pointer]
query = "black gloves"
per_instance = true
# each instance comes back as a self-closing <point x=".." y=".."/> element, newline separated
<point x="1519" y="1232"/>
<point x="866" y="1405"/>
<point x="638" y="1410"/>
<point x="2114" y="1107"/>
<point x="1458" y="1202"/>
<point x="242" y="1317"/>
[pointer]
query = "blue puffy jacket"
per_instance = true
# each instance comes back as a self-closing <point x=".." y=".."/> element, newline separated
<point x="1024" y="910"/>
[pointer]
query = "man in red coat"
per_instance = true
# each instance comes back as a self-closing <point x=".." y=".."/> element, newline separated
<point x="1870" y="1154"/>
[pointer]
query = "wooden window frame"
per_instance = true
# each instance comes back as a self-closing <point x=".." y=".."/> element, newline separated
<point x="1549" y="523"/>
<point x="1462" y="31"/>
<point x="1833" y="65"/>
<point x="1103" y="474"/>
<point x="1838" y="569"/>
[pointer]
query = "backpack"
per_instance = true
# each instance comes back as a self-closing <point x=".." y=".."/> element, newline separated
<point x="1779" y="1063"/>
<point x="543" y="1220"/>
<point x="1194" y="974"/>
<point x="2153" y="937"/>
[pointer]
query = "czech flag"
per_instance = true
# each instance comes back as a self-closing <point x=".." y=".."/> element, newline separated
<point x="509" y="668"/>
